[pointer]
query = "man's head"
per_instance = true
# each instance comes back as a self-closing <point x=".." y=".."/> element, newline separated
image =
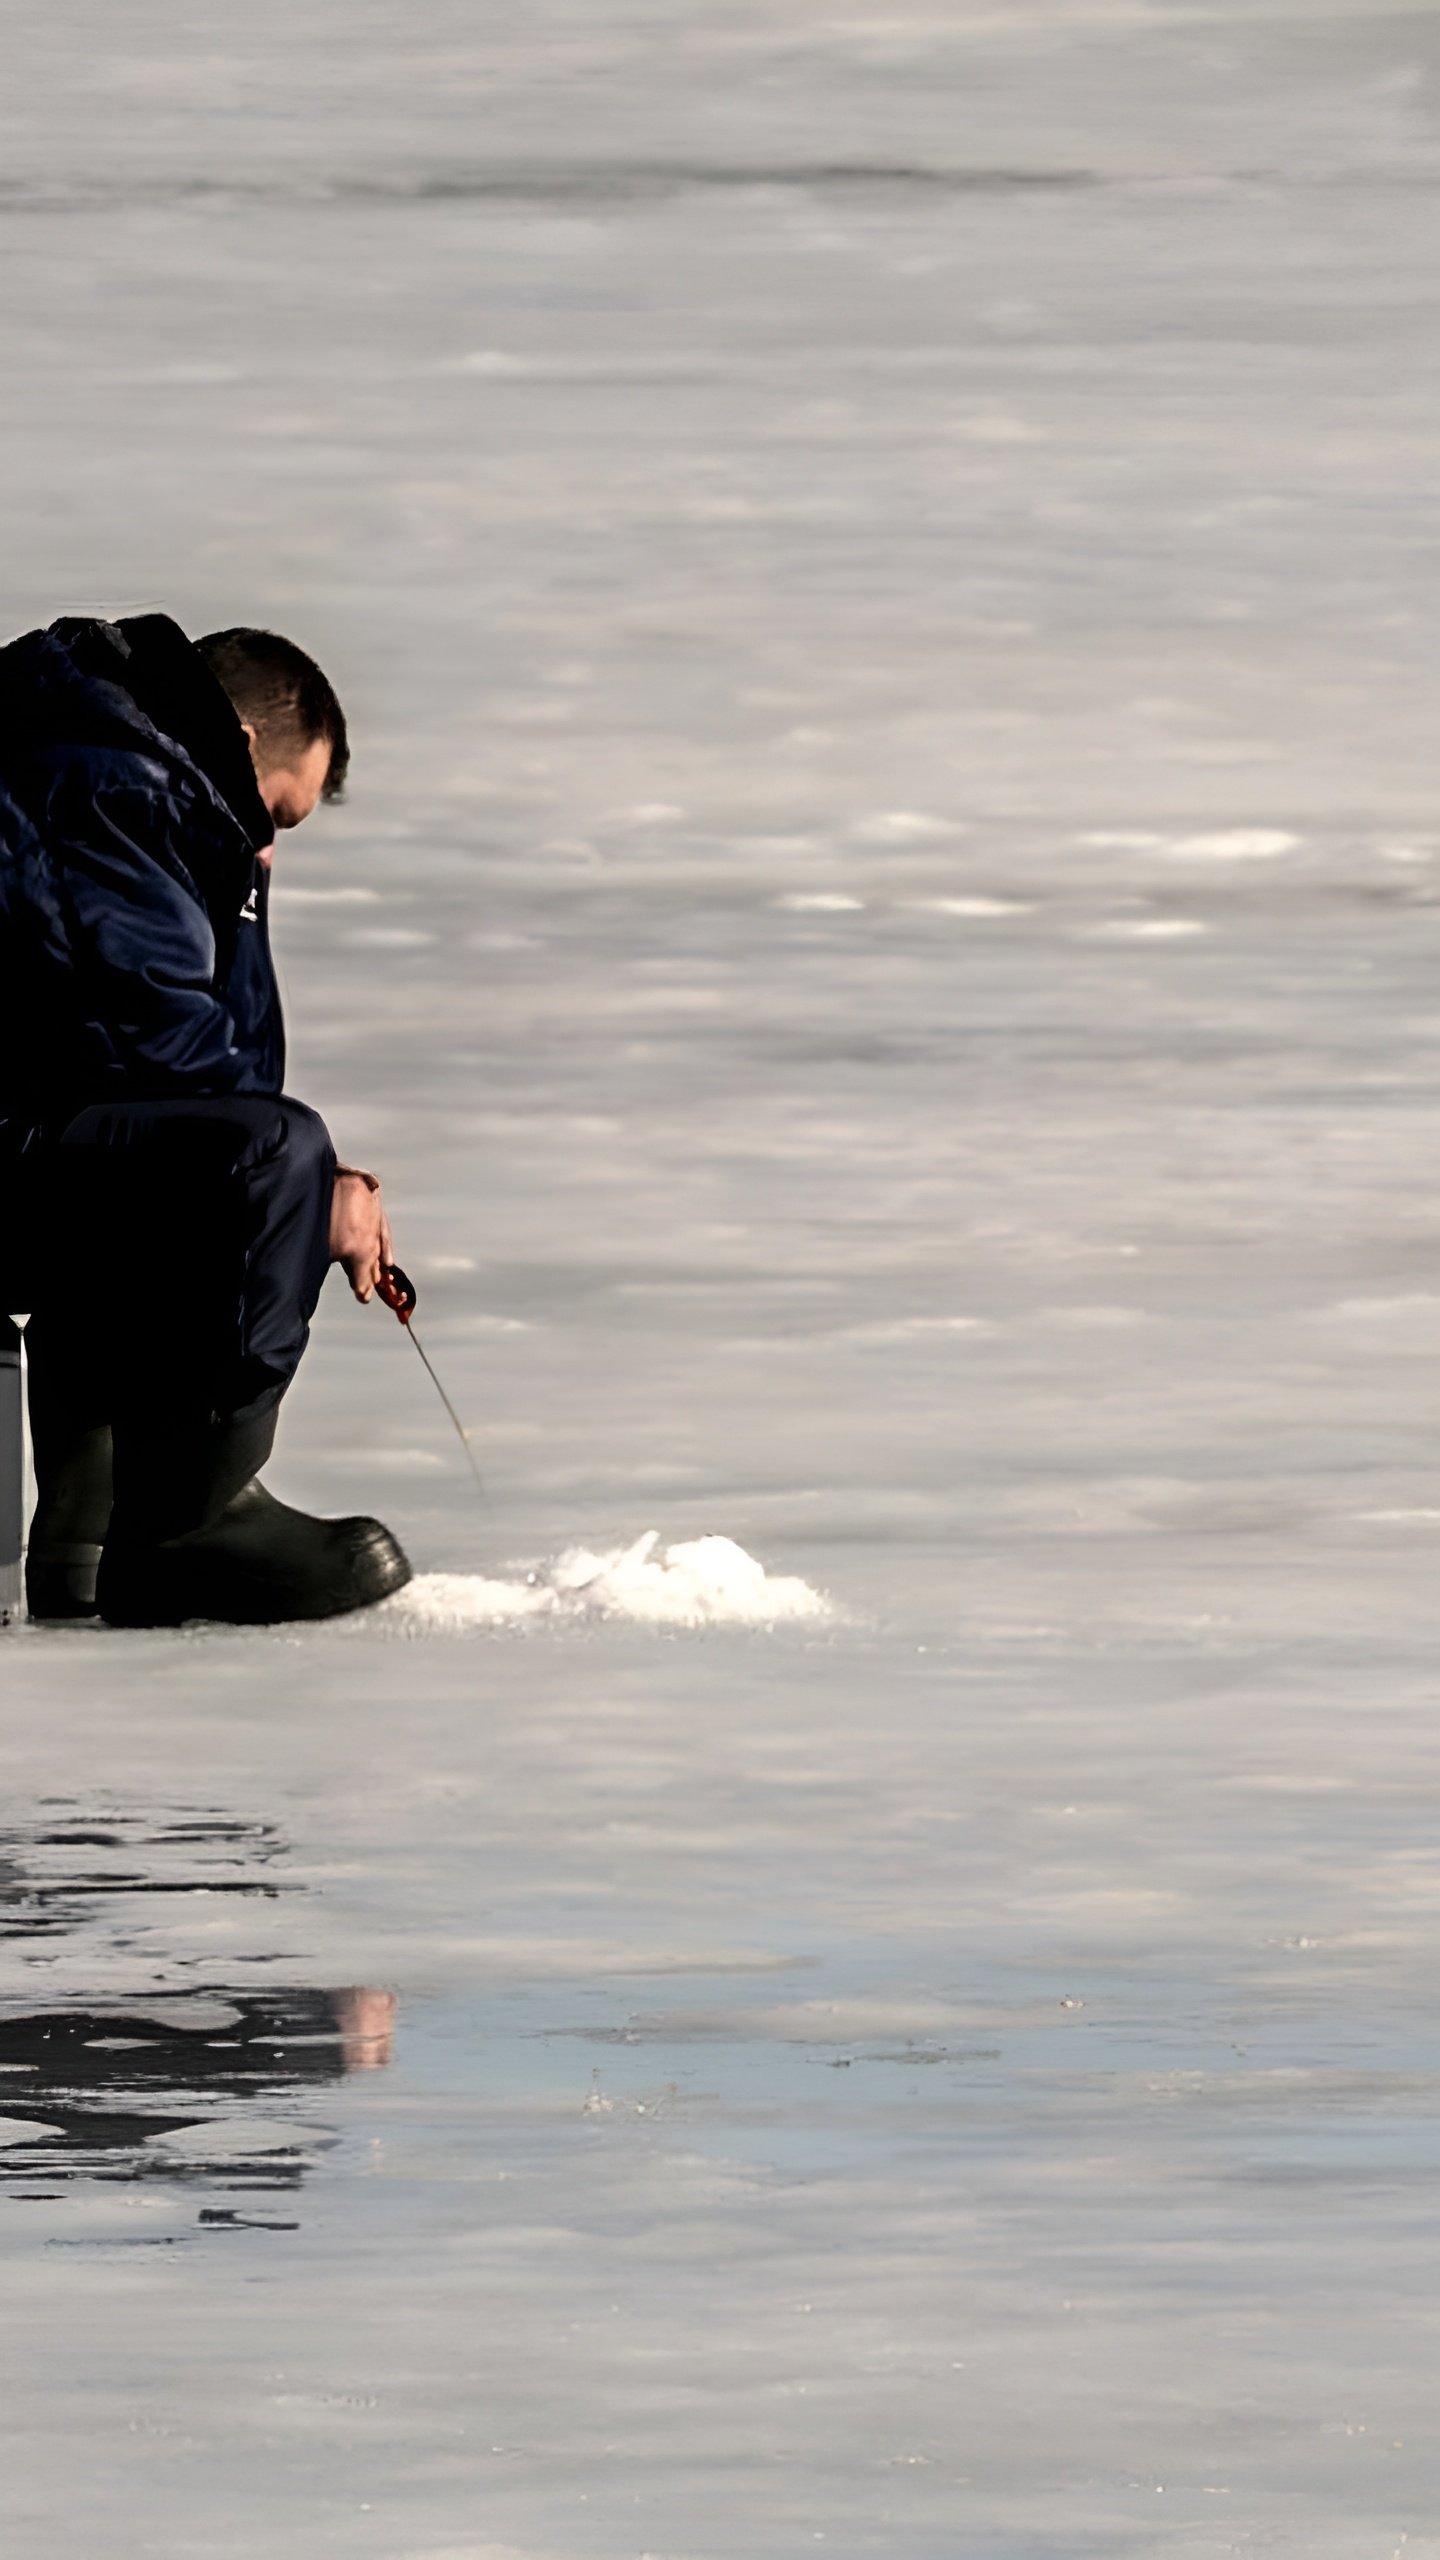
<point x="290" y="715"/>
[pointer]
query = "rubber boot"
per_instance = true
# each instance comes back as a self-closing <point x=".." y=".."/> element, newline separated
<point x="70" y="1444"/>
<point x="62" y="1553"/>
<point x="194" y="1536"/>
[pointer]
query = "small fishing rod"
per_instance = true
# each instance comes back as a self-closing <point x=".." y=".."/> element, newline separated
<point x="400" y="1295"/>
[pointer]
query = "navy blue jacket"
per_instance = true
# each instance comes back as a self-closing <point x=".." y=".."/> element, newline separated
<point x="134" y="949"/>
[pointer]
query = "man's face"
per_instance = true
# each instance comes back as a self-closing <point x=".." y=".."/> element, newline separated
<point x="290" y="790"/>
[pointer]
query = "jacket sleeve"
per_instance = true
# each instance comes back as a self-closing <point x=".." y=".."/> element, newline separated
<point x="142" y="945"/>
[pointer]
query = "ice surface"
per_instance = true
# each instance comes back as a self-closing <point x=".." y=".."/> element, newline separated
<point x="846" y="538"/>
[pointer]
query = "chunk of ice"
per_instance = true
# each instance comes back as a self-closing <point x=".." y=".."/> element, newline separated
<point x="695" y="1582"/>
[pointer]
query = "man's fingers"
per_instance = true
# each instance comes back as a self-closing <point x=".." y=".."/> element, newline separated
<point x="360" y="1232"/>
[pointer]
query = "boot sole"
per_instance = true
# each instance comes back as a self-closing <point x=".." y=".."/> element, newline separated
<point x="60" y="1590"/>
<point x="160" y="1587"/>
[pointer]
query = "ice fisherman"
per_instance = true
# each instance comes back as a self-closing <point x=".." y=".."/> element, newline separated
<point x="167" y="1212"/>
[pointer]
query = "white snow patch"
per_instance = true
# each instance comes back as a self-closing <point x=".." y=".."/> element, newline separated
<point x="971" y="906"/>
<point x="698" y="1582"/>
<point x="493" y="362"/>
<point x="1149" y="929"/>
<point x="912" y="1328"/>
<point x="1124" y="840"/>
<point x="907" y="826"/>
<point x="1236" y="844"/>
<point x="1224" y="844"/>
<point x="1419" y="1306"/>
<point x="819" y="902"/>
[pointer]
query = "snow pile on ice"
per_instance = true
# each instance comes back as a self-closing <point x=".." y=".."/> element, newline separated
<point x="700" y="1582"/>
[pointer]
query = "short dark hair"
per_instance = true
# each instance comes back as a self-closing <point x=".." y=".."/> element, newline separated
<point x="283" y="696"/>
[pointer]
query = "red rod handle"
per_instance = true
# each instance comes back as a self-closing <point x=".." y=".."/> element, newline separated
<point x="397" y="1291"/>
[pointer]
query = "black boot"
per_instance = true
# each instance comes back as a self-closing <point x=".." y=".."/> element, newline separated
<point x="70" y="1443"/>
<point x="62" y="1553"/>
<point x="194" y="1536"/>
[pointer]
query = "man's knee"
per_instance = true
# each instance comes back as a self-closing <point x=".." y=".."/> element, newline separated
<point x="174" y="1163"/>
<point x="306" y="1140"/>
<point x="260" y="1137"/>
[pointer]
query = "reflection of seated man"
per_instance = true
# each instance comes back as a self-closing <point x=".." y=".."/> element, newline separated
<point x="167" y="1212"/>
<point x="114" y="2076"/>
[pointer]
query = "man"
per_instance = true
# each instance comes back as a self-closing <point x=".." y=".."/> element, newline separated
<point x="167" y="1212"/>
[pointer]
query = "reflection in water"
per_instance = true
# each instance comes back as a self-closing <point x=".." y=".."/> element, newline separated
<point x="145" y="2088"/>
<point x="45" y="1889"/>
<point x="197" y="2085"/>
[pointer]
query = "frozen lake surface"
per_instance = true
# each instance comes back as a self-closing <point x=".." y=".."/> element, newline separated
<point x="883" y="939"/>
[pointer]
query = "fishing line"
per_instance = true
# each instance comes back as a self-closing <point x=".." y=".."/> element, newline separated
<point x="399" y="1294"/>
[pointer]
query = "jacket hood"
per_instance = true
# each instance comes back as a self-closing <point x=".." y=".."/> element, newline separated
<point x="140" y="685"/>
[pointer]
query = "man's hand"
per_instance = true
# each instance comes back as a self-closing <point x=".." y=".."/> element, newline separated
<point x="359" y="1230"/>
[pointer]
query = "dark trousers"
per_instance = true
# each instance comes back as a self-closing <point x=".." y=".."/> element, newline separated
<point x="176" y="1252"/>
